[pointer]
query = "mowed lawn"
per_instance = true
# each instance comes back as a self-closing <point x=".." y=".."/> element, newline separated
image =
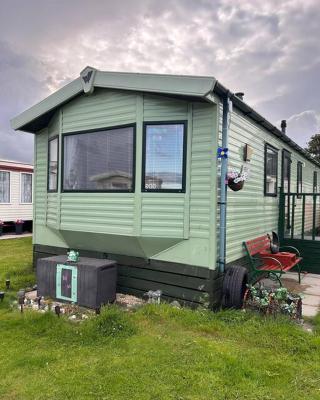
<point x="156" y="352"/>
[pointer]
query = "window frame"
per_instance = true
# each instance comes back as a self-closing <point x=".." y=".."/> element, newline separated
<point x="184" y="156"/>
<point x="109" y="128"/>
<point x="286" y="153"/>
<point x="299" y="175"/>
<point x="10" y="187"/>
<point x="26" y="173"/>
<point x="266" y="147"/>
<point x="315" y="181"/>
<point x="48" y="164"/>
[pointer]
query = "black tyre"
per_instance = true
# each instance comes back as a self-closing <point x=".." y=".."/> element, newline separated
<point x="234" y="287"/>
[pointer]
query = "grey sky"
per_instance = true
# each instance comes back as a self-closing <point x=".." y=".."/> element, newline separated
<point x="268" y="49"/>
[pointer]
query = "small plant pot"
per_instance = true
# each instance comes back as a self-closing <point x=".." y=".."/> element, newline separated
<point x="235" y="186"/>
<point x="19" y="229"/>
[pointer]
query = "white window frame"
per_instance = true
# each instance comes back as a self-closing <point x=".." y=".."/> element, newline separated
<point x="26" y="173"/>
<point x="10" y="187"/>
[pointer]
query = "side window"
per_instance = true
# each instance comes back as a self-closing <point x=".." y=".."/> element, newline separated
<point x="315" y="182"/>
<point x="299" y="177"/>
<point x="4" y="187"/>
<point x="26" y="188"/>
<point x="53" y="164"/>
<point x="164" y="157"/>
<point x="270" y="171"/>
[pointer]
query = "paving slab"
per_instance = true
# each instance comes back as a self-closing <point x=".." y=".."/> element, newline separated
<point x="309" y="311"/>
<point x="311" y="300"/>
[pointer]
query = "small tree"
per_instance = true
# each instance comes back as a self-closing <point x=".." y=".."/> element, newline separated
<point x="313" y="146"/>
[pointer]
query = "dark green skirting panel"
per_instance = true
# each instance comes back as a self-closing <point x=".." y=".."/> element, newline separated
<point x="309" y="250"/>
<point x="190" y="285"/>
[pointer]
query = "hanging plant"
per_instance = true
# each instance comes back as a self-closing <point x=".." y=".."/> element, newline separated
<point x="236" y="179"/>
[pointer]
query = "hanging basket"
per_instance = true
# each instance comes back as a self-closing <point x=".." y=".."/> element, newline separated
<point x="235" y="186"/>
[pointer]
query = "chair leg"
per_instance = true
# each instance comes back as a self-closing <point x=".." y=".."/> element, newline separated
<point x="275" y="277"/>
<point x="299" y="273"/>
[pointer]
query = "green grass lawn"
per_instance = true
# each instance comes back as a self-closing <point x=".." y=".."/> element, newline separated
<point x="157" y="352"/>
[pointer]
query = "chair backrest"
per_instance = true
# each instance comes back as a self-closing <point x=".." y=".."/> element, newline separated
<point x="257" y="245"/>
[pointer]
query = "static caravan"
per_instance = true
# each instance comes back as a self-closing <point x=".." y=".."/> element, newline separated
<point x="132" y="167"/>
<point x="15" y="193"/>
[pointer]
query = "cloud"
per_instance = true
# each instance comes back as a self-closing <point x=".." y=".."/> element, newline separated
<point x="303" y="125"/>
<point x="270" y="50"/>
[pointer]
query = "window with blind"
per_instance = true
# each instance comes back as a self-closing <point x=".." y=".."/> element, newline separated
<point x="26" y="188"/>
<point x="53" y="165"/>
<point x="4" y="187"/>
<point x="100" y="161"/>
<point x="164" y="157"/>
<point x="270" y="170"/>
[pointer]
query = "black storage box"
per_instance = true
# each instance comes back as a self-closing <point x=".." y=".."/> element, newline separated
<point x="90" y="282"/>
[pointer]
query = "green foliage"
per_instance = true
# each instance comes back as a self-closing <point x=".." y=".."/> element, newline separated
<point x="157" y="352"/>
<point x="313" y="146"/>
<point x="111" y="323"/>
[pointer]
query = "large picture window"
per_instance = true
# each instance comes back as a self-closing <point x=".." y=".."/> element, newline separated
<point x="99" y="161"/>
<point x="53" y="165"/>
<point x="4" y="187"/>
<point x="271" y="171"/>
<point x="164" y="157"/>
<point x="26" y="188"/>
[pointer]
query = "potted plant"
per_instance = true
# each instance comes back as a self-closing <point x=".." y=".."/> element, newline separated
<point x="1" y="227"/>
<point x="235" y="179"/>
<point x="19" y="226"/>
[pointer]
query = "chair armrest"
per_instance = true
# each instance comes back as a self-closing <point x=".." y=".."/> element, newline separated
<point x="291" y="247"/>
<point x="269" y="258"/>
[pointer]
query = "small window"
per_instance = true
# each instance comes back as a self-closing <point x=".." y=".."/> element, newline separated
<point x="164" y="157"/>
<point x="100" y="161"/>
<point x="26" y="188"/>
<point x="299" y="177"/>
<point x="271" y="171"/>
<point x="4" y="187"/>
<point x="315" y="182"/>
<point x="53" y="165"/>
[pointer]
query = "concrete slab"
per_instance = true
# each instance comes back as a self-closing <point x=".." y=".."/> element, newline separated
<point x="309" y="311"/>
<point x="309" y="288"/>
<point x="311" y="300"/>
<point x="14" y="236"/>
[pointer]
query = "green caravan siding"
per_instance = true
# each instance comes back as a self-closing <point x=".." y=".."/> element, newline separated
<point x="249" y="212"/>
<point x="40" y="178"/>
<point x="173" y="227"/>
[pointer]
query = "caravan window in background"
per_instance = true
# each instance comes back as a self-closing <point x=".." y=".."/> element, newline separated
<point x="270" y="170"/>
<point x="99" y="161"/>
<point x="26" y="188"/>
<point x="53" y="165"/>
<point x="164" y="157"/>
<point x="315" y="182"/>
<point x="4" y="187"/>
<point x="299" y="177"/>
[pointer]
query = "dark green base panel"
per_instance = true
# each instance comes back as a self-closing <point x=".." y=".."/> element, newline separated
<point x="309" y="250"/>
<point x="190" y="285"/>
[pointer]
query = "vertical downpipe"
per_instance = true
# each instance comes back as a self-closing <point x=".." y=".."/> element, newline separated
<point x="223" y="187"/>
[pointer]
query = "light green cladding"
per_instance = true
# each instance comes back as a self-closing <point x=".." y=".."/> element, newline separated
<point x="249" y="212"/>
<point x="175" y="227"/>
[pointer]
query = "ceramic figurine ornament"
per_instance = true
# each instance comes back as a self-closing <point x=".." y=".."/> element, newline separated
<point x="73" y="256"/>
